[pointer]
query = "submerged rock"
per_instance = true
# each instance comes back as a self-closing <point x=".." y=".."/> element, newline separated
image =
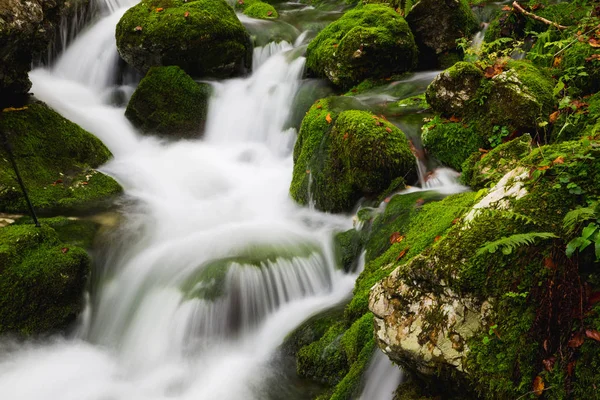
<point x="57" y="161"/>
<point x="372" y="41"/>
<point x="203" y="37"/>
<point x="42" y="280"/>
<point x="341" y="157"/>
<point x="169" y="102"/>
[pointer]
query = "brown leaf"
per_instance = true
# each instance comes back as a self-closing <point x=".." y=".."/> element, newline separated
<point x="319" y="107"/>
<point x="593" y="334"/>
<point x="388" y="129"/>
<point x="455" y="221"/>
<point x="64" y="250"/>
<point x="308" y="171"/>
<point x="543" y="168"/>
<point x="420" y="202"/>
<point x="549" y="263"/>
<point x="402" y="254"/>
<point x="159" y="9"/>
<point x="374" y="117"/>
<point x="387" y="199"/>
<point x="593" y="42"/>
<point x="377" y="123"/>
<point x="549" y="363"/>
<point x="328" y="118"/>
<point x="506" y="8"/>
<point x="556" y="62"/>
<point x="538" y="386"/>
<point x="396" y="237"/>
<point x="484" y="151"/>
<point x="335" y="45"/>
<point x="454" y="118"/>
<point x="571" y="368"/>
<point x="435" y="239"/>
<point x="489" y="72"/>
<point x="559" y="160"/>
<point x="84" y="183"/>
<point x="554" y="116"/>
<point x="186" y="14"/>
<point x="346" y="136"/>
<point x="269" y="13"/>
<point x="576" y="341"/>
<point x="593" y="57"/>
<point x="138" y="28"/>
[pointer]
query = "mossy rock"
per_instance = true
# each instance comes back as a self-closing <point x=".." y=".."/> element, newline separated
<point x="581" y="54"/>
<point x="339" y="158"/>
<point x="169" y="102"/>
<point x="41" y="280"/>
<point x="348" y="246"/>
<point x="368" y="42"/>
<point x="79" y="232"/>
<point x="261" y="10"/>
<point x="203" y="37"/>
<point x="437" y="25"/>
<point x="56" y="159"/>
<point x="452" y="91"/>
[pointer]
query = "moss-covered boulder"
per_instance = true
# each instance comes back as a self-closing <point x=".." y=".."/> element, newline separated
<point x="437" y="25"/>
<point x="452" y="91"/>
<point x="57" y="161"/>
<point x="169" y="102"/>
<point x="26" y="29"/>
<point x="41" y="280"/>
<point x="256" y="9"/>
<point x="368" y="42"/>
<point x="339" y="158"/>
<point x="203" y="37"/>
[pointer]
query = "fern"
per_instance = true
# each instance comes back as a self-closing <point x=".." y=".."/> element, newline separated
<point x="490" y="212"/>
<point x="575" y="217"/>
<point x="509" y="243"/>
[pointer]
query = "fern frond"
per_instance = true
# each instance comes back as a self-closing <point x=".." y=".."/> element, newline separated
<point x="491" y="212"/>
<point x="509" y="243"/>
<point x="575" y="217"/>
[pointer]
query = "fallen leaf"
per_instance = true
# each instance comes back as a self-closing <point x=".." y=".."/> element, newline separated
<point x="159" y="9"/>
<point x="420" y="202"/>
<point x="138" y="28"/>
<point x="484" y="151"/>
<point x="556" y="62"/>
<point x="593" y="42"/>
<point x="454" y="118"/>
<point x="308" y="171"/>
<point x="269" y="13"/>
<point x="554" y="116"/>
<point x="435" y="239"/>
<point x="396" y="237"/>
<point x="374" y="117"/>
<point x="571" y="368"/>
<point x="543" y="168"/>
<point x="56" y="182"/>
<point x="455" y="221"/>
<point x="346" y="136"/>
<point x="388" y="129"/>
<point x="64" y="250"/>
<point x="387" y="199"/>
<point x="378" y="123"/>
<point x="595" y="56"/>
<point x="559" y="160"/>
<point x="506" y="8"/>
<point x="576" y="341"/>
<point x="549" y="363"/>
<point x="10" y="109"/>
<point x="186" y="14"/>
<point x="328" y="118"/>
<point x="538" y="386"/>
<point x="319" y="107"/>
<point x="593" y="334"/>
<point x="402" y="254"/>
<point x="84" y="183"/>
<point x="335" y="45"/>
<point x="549" y="263"/>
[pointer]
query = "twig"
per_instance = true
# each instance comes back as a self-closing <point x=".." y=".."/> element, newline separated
<point x="575" y="40"/>
<point x="520" y="9"/>
<point x="534" y="391"/>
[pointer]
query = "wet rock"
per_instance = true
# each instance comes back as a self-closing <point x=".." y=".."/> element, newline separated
<point x="452" y="91"/>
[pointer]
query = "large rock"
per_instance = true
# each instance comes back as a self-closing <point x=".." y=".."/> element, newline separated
<point x="57" y="161"/>
<point x="203" y="37"/>
<point x="437" y="24"/>
<point x="169" y="102"/>
<point x="341" y="157"/>
<point x="372" y="41"/>
<point x="453" y="91"/>
<point x="26" y="29"/>
<point x="42" y="280"/>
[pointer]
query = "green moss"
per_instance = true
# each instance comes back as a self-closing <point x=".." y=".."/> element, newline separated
<point x="72" y="231"/>
<point x="261" y="10"/>
<point x="312" y="330"/>
<point x="454" y="91"/>
<point x="451" y="143"/>
<point x="348" y="246"/>
<point x="371" y="41"/>
<point x="41" y="280"/>
<point x="243" y="4"/>
<point x="203" y="37"/>
<point x="168" y="102"/>
<point x="56" y="159"/>
<point x="581" y="54"/>
<point x="355" y="154"/>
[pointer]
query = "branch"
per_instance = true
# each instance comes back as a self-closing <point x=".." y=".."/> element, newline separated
<point x="520" y="9"/>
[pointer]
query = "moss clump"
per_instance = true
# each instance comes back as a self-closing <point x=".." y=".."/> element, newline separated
<point x="452" y="92"/>
<point x="56" y="159"/>
<point x="168" y="102"/>
<point x="371" y="41"/>
<point x="72" y="231"/>
<point x="348" y="246"/>
<point x="261" y="10"/>
<point x="41" y="280"/>
<point x="339" y="158"/>
<point x="437" y="25"/>
<point x="203" y="37"/>
<point x="451" y="143"/>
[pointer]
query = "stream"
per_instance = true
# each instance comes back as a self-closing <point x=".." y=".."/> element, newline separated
<point x="212" y="264"/>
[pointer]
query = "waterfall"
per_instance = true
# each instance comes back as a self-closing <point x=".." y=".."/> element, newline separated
<point x="382" y="378"/>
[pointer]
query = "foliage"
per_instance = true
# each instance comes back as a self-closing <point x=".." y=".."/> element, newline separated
<point x="510" y="243"/>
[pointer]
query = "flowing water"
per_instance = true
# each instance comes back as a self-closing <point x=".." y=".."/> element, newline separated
<point x="212" y="265"/>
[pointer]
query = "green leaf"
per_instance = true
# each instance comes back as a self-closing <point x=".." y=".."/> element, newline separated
<point x="589" y="230"/>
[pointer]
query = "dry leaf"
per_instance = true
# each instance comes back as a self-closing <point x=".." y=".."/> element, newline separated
<point x="388" y="129"/>
<point x="543" y="168"/>
<point x="328" y="118"/>
<point x="346" y="136"/>
<point x="593" y="334"/>
<point x="506" y="8"/>
<point x="549" y="263"/>
<point x="576" y="341"/>
<point x="571" y="368"/>
<point x="554" y="116"/>
<point x="396" y="237"/>
<point x="159" y="9"/>
<point x="64" y="250"/>
<point x="435" y="239"/>
<point x="549" y="363"/>
<point x="138" y="28"/>
<point x="319" y="107"/>
<point x="559" y="160"/>
<point x="378" y="123"/>
<point x="402" y="254"/>
<point x="556" y="62"/>
<point x="269" y="13"/>
<point x="594" y="298"/>
<point x="186" y="14"/>
<point x="538" y="386"/>
<point x="593" y="42"/>
<point x="454" y="118"/>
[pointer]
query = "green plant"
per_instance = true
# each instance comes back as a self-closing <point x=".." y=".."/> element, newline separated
<point x="510" y="243"/>
<point x="498" y="135"/>
<point x="590" y="234"/>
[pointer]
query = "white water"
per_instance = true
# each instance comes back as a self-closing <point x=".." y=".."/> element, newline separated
<point x="381" y="379"/>
<point x="144" y="334"/>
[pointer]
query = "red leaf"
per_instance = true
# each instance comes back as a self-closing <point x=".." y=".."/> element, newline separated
<point x="435" y="239"/>
<point x="64" y="250"/>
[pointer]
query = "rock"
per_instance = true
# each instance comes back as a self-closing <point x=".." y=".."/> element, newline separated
<point x="42" y="280"/>
<point x="372" y="41"/>
<point x="437" y="25"/>
<point x="203" y="37"/>
<point x="57" y="161"/>
<point x="169" y="102"/>
<point x="452" y="91"/>
<point x="257" y="9"/>
<point x="349" y="246"/>
<point x="341" y="157"/>
<point x="26" y="30"/>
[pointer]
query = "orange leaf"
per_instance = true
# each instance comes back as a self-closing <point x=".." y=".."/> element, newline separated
<point x="159" y="9"/>
<point x="506" y="8"/>
<point x="308" y="171"/>
<point x="559" y="160"/>
<point x="595" y="56"/>
<point x="387" y="200"/>
<point x="84" y="183"/>
<point x="335" y="45"/>
<point x="420" y="202"/>
<point x="319" y="107"/>
<point x="455" y="221"/>
<point x="377" y="123"/>
<point x="388" y="129"/>
<point x="554" y="116"/>
<point x="374" y="117"/>
<point x="593" y="42"/>
<point x="556" y="62"/>
<point x="435" y="239"/>
<point x="576" y="341"/>
<point x="402" y="254"/>
<point x="593" y="334"/>
<point x="346" y="136"/>
<point x="538" y="386"/>
<point x="543" y="168"/>
<point x="186" y="14"/>
<point x="396" y="237"/>
<point x="269" y="13"/>
<point x="454" y="118"/>
<point x="328" y="118"/>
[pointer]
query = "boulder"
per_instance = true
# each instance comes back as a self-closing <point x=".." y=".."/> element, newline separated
<point x="42" y="280"/>
<point x="452" y="91"/>
<point x="57" y="161"/>
<point x="203" y="37"/>
<point x="437" y="25"/>
<point x="341" y="157"/>
<point x="256" y="9"/>
<point x="372" y="41"/>
<point x="169" y="102"/>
